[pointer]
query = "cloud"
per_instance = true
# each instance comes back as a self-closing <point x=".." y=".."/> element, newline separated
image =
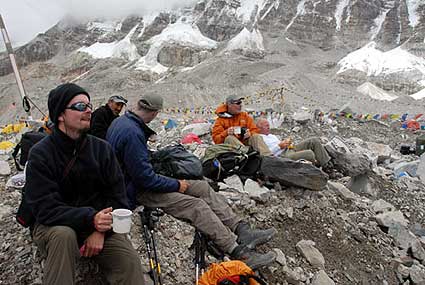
<point x="83" y="9"/>
<point x="24" y="19"/>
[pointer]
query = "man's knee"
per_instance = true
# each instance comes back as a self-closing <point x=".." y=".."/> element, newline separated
<point x="314" y="140"/>
<point x="199" y="188"/>
<point x="231" y="140"/>
<point x="62" y="234"/>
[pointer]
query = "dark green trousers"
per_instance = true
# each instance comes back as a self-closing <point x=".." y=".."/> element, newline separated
<point x="118" y="260"/>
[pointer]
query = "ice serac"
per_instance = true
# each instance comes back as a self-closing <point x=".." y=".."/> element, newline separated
<point x="181" y="33"/>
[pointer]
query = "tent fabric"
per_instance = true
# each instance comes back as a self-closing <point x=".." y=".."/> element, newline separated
<point x="6" y="145"/>
<point x="13" y="128"/>
<point x="171" y="124"/>
<point x="191" y="138"/>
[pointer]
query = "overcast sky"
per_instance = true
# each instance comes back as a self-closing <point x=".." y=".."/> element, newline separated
<point x="24" y="19"/>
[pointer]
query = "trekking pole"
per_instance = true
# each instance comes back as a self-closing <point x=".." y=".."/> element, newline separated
<point x="199" y="243"/>
<point x="149" y="217"/>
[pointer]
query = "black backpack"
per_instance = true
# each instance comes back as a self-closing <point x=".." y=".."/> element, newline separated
<point x="28" y="140"/>
<point x="223" y="160"/>
<point x="175" y="161"/>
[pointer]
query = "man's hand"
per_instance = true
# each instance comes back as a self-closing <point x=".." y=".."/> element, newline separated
<point x="183" y="186"/>
<point x="93" y="244"/>
<point x="103" y="220"/>
<point x="285" y="143"/>
<point x="230" y="131"/>
<point x="247" y="134"/>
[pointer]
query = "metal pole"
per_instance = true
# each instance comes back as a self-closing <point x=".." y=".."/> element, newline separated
<point x="9" y="49"/>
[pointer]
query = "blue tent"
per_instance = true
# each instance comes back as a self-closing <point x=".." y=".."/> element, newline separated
<point x="171" y="124"/>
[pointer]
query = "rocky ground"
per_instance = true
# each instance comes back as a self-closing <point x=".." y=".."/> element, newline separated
<point x="334" y="236"/>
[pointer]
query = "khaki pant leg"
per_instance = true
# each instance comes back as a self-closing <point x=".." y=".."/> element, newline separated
<point x="59" y="245"/>
<point x="201" y="189"/>
<point x="302" y="154"/>
<point x="257" y="143"/>
<point x="193" y="210"/>
<point x="314" y="144"/>
<point x="120" y="261"/>
<point x="232" y="140"/>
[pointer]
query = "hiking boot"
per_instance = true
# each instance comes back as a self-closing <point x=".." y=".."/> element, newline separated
<point x="250" y="237"/>
<point x="251" y="258"/>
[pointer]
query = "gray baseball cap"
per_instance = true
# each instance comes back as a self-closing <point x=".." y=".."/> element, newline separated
<point x="118" y="99"/>
<point x="151" y="102"/>
<point x="233" y="98"/>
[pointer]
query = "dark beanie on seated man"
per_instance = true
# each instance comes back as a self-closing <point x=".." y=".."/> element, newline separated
<point x="60" y="97"/>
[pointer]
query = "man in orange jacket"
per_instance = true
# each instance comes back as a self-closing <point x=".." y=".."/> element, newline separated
<point x="235" y="127"/>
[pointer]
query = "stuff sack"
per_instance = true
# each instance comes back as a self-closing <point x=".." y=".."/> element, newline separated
<point x="28" y="140"/>
<point x="223" y="160"/>
<point x="234" y="272"/>
<point x="175" y="161"/>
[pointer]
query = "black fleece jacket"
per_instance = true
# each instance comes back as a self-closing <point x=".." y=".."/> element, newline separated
<point x="100" y="121"/>
<point x="94" y="182"/>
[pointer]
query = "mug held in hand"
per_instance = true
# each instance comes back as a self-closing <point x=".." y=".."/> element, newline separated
<point x="121" y="221"/>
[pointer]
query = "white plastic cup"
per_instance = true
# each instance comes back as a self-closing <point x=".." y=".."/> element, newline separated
<point x="237" y="130"/>
<point x="121" y="221"/>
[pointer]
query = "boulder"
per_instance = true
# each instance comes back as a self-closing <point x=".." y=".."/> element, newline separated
<point x="381" y="206"/>
<point x="347" y="162"/>
<point x="321" y="278"/>
<point x="312" y="254"/>
<point x="391" y="219"/>
<point x="291" y="173"/>
<point x="256" y="192"/>
<point x="4" y="168"/>
<point x="342" y="191"/>
<point x="360" y="184"/>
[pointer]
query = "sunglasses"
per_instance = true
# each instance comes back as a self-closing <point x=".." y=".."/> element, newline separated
<point x="237" y="102"/>
<point x="80" y="106"/>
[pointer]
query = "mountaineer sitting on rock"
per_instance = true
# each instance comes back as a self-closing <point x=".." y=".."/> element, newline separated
<point x="235" y="127"/>
<point x="310" y="149"/>
<point x="193" y="201"/>
<point x="73" y="181"/>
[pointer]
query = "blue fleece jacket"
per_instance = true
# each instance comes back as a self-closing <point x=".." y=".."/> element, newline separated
<point x="128" y="136"/>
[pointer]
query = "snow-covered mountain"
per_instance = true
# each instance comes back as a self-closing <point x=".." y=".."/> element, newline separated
<point x="303" y="43"/>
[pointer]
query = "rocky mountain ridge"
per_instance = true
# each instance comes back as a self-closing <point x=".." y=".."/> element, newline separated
<point x="292" y="43"/>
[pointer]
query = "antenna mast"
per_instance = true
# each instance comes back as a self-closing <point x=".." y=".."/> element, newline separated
<point x="25" y="101"/>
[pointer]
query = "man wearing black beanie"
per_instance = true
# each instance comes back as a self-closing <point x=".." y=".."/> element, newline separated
<point x="73" y="181"/>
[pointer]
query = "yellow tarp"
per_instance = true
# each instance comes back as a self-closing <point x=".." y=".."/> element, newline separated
<point x="5" y="145"/>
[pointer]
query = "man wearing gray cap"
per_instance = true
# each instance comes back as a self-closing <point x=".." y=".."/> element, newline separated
<point x="235" y="127"/>
<point x="193" y="200"/>
<point x="103" y="116"/>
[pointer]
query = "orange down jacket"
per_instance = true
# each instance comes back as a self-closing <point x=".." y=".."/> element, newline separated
<point x="219" y="131"/>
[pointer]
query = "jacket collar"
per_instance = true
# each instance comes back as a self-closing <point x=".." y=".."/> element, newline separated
<point x="222" y="112"/>
<point x="148" y="131"/>
<point x="109" y="110"/>
<point x="65" y="143"/>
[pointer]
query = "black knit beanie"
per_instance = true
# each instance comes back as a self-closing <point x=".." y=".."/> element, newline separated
<point x="60" y="97"/>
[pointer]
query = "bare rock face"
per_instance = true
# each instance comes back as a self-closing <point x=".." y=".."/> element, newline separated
<point x="329" y="24"/>
<point x="42" y="48"/>
<point x="218" y="21"/>
<point x="178" y="55"/>
<point x="158" y="25"/>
